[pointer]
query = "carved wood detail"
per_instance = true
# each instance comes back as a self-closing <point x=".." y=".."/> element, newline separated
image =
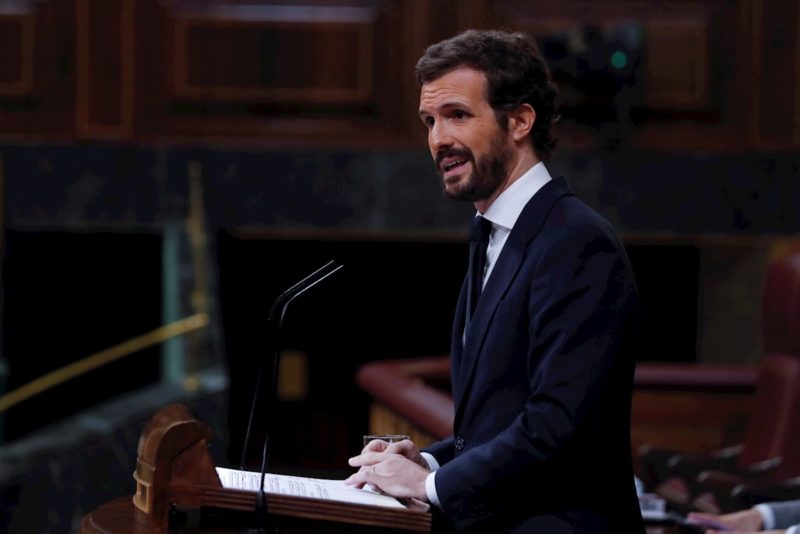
<point x="36" y="67"/>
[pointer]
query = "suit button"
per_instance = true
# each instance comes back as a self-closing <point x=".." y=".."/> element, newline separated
<point x="459" y="444"/>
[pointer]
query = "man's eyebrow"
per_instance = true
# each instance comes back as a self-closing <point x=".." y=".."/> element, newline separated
<point x="445" y="106"/>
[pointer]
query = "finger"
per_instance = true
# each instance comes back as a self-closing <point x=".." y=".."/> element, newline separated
<point x="361" y="477"/>
<point x="399" y="447"/>
<point x="355" y="480"/>
<point x="376" y="445"/>
<point x="361" y="474"/>
<point x="367" y="458"/>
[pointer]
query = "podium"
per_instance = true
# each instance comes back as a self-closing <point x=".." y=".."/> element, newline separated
<point x="178" y="490"/>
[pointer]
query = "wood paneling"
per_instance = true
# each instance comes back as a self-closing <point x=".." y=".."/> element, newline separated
<point x="16" y="40"/>
<point x="677" y="42"/>
<point x="36" y="68"/>
<point x="105" y="68"/>
<point x="278" y="73"/>
<point x="678" y="99"/>
<point x="715" y="75"/>
<point x="678" y="64"/>
<point x="276" y="54"/>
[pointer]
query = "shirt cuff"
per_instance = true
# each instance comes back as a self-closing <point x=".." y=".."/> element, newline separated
<point x="767" y="517"/>
<point x="433" y="465"/>
<point x="430" y="489"/>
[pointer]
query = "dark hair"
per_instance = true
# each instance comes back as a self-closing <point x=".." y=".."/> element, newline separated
<point x="515" y="72"/>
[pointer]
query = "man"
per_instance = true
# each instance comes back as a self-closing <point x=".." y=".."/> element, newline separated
<point x="541" y="367"/>
<point x="771" y="517"/>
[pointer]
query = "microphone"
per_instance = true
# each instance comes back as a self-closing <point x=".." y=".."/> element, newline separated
<point x="280" y="303"/>
<point x="275" y="322"/>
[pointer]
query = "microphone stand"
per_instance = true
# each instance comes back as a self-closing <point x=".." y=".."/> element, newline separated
<point x="272" y="335"/>
<point x="278" y="309"/>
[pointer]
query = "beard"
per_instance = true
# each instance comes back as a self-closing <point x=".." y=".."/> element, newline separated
<point x="488" y="171"/>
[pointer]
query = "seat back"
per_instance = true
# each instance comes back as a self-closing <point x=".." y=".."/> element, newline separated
<point x="774" y="426"/>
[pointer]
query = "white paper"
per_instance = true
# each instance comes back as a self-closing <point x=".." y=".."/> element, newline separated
<point x="316" y="488"/>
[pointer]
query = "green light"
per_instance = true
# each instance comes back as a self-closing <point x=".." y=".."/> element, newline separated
<point x="619" y="59"/>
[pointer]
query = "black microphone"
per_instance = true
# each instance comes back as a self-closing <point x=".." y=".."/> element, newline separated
<point x="273" y="332"/>
<point x="278" y="311"/>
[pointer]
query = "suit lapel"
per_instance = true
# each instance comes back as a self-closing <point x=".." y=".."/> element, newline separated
<point x="503" y="274"/>
<point x="456" y="344"/>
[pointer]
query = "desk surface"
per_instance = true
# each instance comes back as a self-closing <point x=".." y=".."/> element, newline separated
<point x="121" y="517"/>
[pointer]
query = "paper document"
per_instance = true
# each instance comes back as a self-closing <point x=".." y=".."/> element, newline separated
<point x="316" y="488"/>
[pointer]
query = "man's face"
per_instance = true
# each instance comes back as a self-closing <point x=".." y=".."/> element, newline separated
<point x="469" y="148"/>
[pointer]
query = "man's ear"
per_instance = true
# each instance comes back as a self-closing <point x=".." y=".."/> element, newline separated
<point x="520" y="121"/>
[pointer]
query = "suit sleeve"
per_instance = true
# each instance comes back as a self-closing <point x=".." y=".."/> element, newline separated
<point x="580" y="294"/>
<point x="442" y="450"/>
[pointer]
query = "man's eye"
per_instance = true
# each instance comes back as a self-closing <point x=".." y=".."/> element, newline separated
<point x="428" y="121"/>
<point x="459" y="115"/>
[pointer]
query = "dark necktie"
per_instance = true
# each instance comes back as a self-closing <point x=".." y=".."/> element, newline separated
<point x="478" y="241"/>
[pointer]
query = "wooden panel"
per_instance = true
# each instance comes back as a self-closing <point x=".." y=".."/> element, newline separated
<point x="16" y="41"/>
<point x="105" y="68"/>
<point x="279" y="72"/>
<point x="283" y="54"/>
<point x="36" y="68"/>
<point x="677" y="58"/>
<point x="776" y="39"/>
<point x="691" y="82"/>
<point x="677" y="64"/>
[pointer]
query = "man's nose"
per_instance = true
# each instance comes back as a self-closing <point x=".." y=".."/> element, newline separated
<point x="439" y="137"/>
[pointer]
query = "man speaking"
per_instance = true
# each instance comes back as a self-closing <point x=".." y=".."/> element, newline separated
<point x="542" y="366"/>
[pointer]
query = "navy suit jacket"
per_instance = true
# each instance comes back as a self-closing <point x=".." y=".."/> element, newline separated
<point x="542" y="384"/>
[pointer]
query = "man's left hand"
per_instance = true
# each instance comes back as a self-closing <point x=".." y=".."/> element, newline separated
<point x="391" y="473"/>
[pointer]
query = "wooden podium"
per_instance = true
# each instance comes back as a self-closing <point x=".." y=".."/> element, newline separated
<point x="176" y="479"/>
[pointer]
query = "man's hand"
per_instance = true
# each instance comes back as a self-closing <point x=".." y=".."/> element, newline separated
<point x="390" y="472"/>
<point x="405" y="448"/>
<point x="746" y="521"/>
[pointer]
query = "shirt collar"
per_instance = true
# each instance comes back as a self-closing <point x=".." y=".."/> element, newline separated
<point x="506" y="208"/>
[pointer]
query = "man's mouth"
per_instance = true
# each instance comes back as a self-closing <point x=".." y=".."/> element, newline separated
<point x="453" y="164"/>
<point x="452" y="161"/>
